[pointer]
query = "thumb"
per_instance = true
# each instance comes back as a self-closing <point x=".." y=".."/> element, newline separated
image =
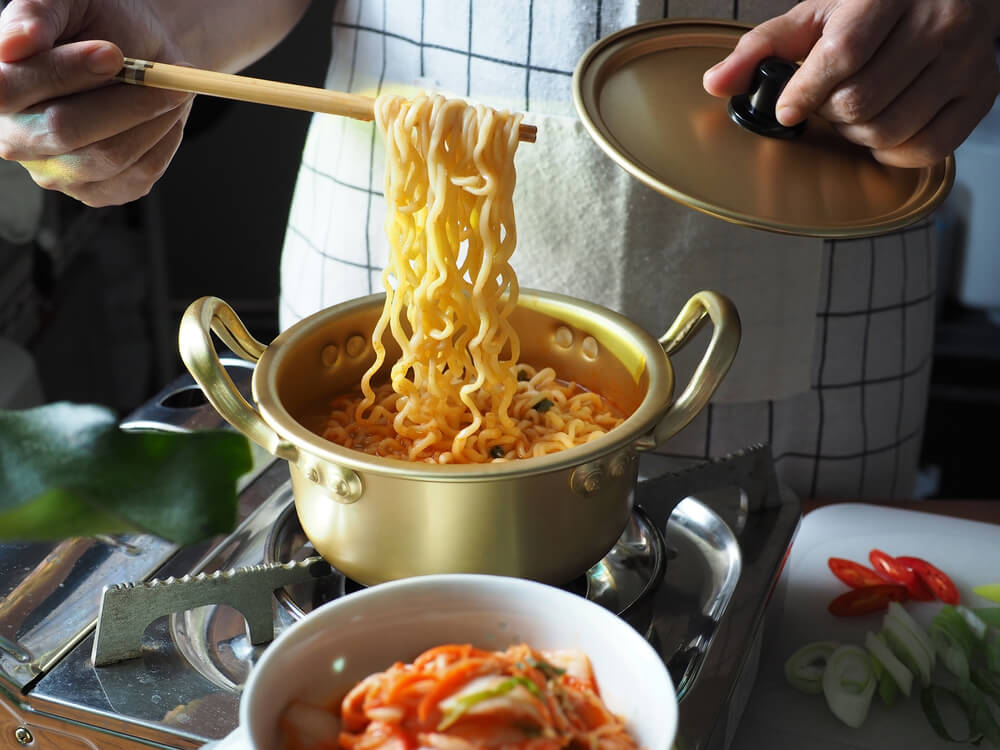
<point x="66" y="69"/>
<point x="789" y="37"/>
<point x="27" y="28"/>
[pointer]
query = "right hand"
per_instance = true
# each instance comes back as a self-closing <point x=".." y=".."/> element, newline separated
<point x="61" y="114"/>
<point x="907" y="79"/>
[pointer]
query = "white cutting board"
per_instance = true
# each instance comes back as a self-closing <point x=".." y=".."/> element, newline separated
<point x="777" y="715"/>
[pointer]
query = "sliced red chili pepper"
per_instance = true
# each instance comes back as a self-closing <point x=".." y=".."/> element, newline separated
<point x="893" y="571"/>
<point x="868" y="599"/>
<point x="853" y="574"/>
<point x="936" y="580"/>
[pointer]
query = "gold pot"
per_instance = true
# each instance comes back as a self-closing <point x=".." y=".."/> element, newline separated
<point x="377" y="519"/>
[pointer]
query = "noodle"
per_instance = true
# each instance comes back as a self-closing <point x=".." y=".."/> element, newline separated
<point x="461" y="697"/>
<point x="457" y="393"/>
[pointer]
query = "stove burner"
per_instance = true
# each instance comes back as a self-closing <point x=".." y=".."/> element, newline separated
<point x="623" y="581"/>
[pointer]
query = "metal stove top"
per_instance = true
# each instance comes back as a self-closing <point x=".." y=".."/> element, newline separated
<point x="693" y="572"/>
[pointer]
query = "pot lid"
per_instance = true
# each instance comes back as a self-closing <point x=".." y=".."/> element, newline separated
<point x="639" y="94"/>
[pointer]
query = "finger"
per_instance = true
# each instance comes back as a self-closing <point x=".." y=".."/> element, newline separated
<point x="139" y="179"/>
<point x="789" y="37"/>
<point x="851" y="35"/>
<point x="67" y="69"/>
<point x="70" y="123"/>
<point x="924" y="34"/>
<point x="28" y="27"/>
<point x="130" y="184"/>
<point x="862" y="96"/>
<point x="919" y="105"/>
<point x="105" y="159"/>
<point x="941" y="136"/>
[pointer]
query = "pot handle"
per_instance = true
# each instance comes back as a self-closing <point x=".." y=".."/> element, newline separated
<point x="714" y="365"/>
<point x="198" y="353"/>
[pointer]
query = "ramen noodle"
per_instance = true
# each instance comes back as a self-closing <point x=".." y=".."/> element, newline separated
<point x="457" y="393"/>
<point x="458" y="697"/>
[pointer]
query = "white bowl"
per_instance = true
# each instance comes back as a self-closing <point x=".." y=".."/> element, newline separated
<point x="336" y="645"/>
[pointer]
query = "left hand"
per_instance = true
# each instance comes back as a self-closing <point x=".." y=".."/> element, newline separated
<point x="909" y="79"/>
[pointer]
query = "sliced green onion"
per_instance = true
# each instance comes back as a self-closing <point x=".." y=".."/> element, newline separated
<point x="543" y="406"/>
<point x="975" y="705"/>
<point x="953" y="641"/>
<point x="466" y="702"/>
<point x="975" y="623"/>
<point x="888" y="690"/>
<point x="908" y="648"/>
<point x="849" y="684"/>
<point x="989" y="591"/>
<point x="986" y="680"/>
<point x="991" y="639"/>
<point x="529" y="685"/>
<point x="991" y="645"/>
<point x="804" y="668"/>
<point x="951" y="621"/>
<point x="463" y="704"/>
<point x="896" y="610"/>
<point x="980" y="714"/>
<point x="989" y="615"/>
<point x="549" y="670"/>
<point x="930" y="699"/>
<point x="952" y="656"/>
<point x="896" y="671"/>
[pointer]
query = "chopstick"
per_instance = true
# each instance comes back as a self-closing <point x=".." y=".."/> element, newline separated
<point x="258" y="90"/>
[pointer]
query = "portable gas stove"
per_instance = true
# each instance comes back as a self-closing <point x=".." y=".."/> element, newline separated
<point x="132" y="642"/>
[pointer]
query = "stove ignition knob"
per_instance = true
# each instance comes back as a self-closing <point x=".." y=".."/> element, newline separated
<point x="23" y="736"/>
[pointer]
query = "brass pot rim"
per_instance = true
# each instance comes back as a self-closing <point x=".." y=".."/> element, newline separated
<point x="610" y="328"/>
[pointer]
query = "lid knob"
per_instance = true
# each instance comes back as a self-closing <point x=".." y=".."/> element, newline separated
<point x="754" y="110"/>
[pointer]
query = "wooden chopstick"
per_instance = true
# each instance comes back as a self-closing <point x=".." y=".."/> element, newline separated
<point x="258" y="90"/>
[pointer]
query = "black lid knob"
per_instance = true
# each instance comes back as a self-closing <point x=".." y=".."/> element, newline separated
<point x="754" y="110"/>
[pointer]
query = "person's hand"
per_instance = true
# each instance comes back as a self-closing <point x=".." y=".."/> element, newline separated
<point x="61" y="115"/>
<point x="909" y="79"/>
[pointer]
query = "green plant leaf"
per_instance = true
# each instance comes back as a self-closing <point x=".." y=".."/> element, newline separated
<point x="67" y="470"/>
